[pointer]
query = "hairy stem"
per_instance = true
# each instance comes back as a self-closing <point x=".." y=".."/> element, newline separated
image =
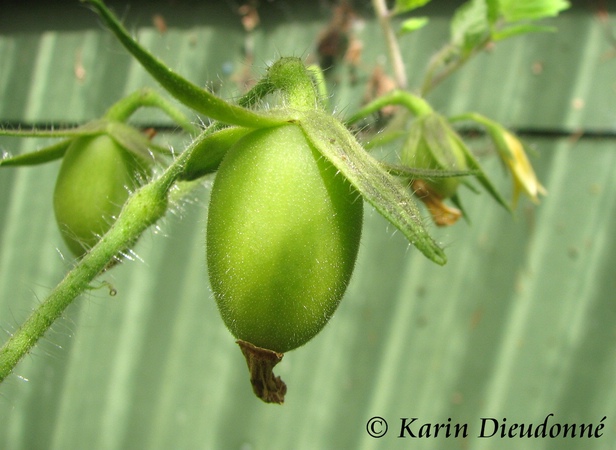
<point x="141" y="210"/>
<point x="397" y="63"/>
<point x="290" y="76"/>
<point x="416" y="105"/>
<point x="446" y="62"/>
<point x="147" y="97"/>
<point x="183" y="90"/>
<point x="89" y="129"/>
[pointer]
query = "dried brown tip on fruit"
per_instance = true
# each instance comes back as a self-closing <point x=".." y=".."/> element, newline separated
<point x="261" y="362"/>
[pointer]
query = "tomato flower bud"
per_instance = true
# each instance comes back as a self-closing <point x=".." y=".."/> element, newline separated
<point x="432" y="144"/>
<point x="511" y="150"/>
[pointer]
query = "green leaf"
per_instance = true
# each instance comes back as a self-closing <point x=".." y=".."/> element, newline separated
<point x="516" y="30"/>
<point x="403" y="6"/>
<point x="470" y="25"/>
<point x="134" y="140"/>
<point x="493" y="11"/>
<point x="209" y="151"/>
<point x="413" y="24"/>
<point x="516" y="10"/>
<point x="388" y="195"/>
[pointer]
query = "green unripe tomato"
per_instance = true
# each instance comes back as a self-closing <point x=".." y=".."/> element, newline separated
<point x="95" y="179"/>
<point x="282" y="238"/>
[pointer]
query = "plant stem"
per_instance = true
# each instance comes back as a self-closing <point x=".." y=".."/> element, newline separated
<point x="141" y="210"/>
<point x="124" y="108"/>
<point x="183" y="90"/>
<point x="290" y="76"/>
<point x="416" y="105"/>
<point x="397" y="63"/>
<point x="89" y="129"/>
<point x="434" y="77"/>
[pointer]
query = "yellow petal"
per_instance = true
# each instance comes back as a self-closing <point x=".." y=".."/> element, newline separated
<point x="524" y="177"/>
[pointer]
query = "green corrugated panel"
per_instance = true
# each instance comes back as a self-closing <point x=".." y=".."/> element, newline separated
<point x="519" y="324"/>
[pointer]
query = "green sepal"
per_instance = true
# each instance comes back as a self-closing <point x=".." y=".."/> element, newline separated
<point x="383" y="191"/>
<point x="209" y="151"/>
<point x="425" y="174"/>
<point x="483" y="179"/>
<point x="134" y="141"/>
<point x="44" y="155"/>
<point x="429" y="145"/>
<point x="127" y="136"/>
<point x="441" y="140"/>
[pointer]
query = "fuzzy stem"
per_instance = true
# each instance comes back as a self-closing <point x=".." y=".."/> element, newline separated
<point x="319" y="81"/>
<point x="141" y="210"/>
<point x="416" y="105"/>
<point x="89" y="129"/>
<point x="124" y="108"/>
<point x="440" y="69"/>
<point x="292" y="78"/>
<point x="186" y="92"/>
<point x="397" y="63"/>
<point x="472" y="117"/>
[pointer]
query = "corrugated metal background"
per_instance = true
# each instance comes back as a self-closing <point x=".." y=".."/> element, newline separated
<point x="518" y="325"/>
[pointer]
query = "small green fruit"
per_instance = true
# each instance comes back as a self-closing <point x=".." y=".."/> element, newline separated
<point x="282" y="238"/>
<point x="95" y="179"/>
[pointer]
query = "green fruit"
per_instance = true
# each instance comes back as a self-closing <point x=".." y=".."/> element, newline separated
<point x="95" y="179"/>
<point x="282" y="238"/>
